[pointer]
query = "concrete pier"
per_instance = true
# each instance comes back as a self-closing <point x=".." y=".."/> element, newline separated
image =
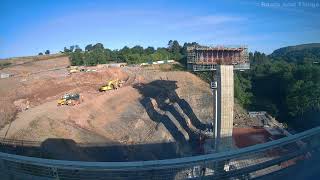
<point x="225" y="98"/>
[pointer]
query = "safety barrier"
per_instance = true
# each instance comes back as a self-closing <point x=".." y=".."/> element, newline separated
<point x="213" y="67"/>
<point x="251" y="162"/>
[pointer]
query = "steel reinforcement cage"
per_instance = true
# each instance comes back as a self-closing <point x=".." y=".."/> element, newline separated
<point x="206" y="58"/>
<point x="250" y="162"/>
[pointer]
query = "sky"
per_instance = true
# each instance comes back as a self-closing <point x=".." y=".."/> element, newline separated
<point x="33" y="26"/>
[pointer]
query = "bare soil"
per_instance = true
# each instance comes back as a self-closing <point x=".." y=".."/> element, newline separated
<point x="153" y="107"/>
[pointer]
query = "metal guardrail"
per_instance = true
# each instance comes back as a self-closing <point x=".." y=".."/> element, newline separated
<point x="231" y="47"/>
<point x="213" y="67"/>
<point x="251" y="162"/>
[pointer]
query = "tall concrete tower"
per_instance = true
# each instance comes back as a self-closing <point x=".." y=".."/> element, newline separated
<point x="225" y="98"/>
<point x="222" y="60"/>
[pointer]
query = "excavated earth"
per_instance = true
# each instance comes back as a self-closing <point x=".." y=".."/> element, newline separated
<point x="156" y="114"/>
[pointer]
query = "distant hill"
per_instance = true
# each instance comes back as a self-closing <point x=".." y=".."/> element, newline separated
<point x="27" y="59"/>
<point x="299" y="53"/>
<point x="36" y="57"/>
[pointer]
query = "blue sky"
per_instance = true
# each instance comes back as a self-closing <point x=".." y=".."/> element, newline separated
<point x="30" y="27"/>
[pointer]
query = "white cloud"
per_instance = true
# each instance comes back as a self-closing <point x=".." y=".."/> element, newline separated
<point x="205" y="21"/>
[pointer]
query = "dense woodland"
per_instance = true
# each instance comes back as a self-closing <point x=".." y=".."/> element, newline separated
<point x="286" y="83"/>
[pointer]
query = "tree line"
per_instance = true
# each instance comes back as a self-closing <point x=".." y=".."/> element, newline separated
<point x="98" y="54"/>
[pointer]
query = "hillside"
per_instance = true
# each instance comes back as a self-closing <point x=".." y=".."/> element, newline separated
<point x="15" y="61"/>
<point x="299" y="53"/>
<point x="152" y="113"/>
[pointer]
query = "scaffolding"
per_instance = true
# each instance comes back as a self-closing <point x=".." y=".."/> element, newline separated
<point x="206" y="58"/>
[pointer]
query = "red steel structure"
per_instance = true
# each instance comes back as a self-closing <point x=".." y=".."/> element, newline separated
<point x="204" y="58"/>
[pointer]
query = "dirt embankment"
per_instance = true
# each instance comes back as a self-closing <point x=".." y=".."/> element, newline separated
<point x="32" y="85"/>
<point x="152" y="108"/>
<point x="38" y="94"/>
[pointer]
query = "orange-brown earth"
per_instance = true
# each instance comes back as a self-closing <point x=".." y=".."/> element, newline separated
<point x="133" y="114"/>
<point x="29" y="108"/>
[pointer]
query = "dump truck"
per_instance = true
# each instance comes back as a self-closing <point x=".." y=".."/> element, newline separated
<point x="111" y="85"/>
<point x="69" y="99"/>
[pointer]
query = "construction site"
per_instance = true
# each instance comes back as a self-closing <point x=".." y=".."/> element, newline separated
<point x="140" y="121"/>
<point x="132" y="112"/>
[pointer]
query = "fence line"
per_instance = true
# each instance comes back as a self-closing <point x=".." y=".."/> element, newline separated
<point x="249" y="162"/>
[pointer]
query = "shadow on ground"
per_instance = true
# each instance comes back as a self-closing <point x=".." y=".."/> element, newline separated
<point x="163" y="105"/>
<point x="67" y="149"/>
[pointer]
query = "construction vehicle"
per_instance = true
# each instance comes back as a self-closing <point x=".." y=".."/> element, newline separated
<point x="112" y="65"/>
<point x="73" y="69"/>
<point x="111" y="85"/>
<point x="123" y="64"/>
<point x="69" y="99"/>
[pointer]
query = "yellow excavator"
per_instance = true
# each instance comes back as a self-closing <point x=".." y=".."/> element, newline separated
<point x="111" y="85"/>
<point x="69" y="99"/>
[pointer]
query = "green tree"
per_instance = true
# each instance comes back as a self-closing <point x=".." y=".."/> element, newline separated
<point x="77" y="58"/>
<point x="149" y="50"/>
<point x="78" y="49"/>
<point x="72" y="48"/>
<point x="88" y="47"/>
<point x="137" y="50"/>
<point x="243" y="91"/>
<point x="47" y="52"/>
<point x="66" y="50"/>
<point x="174" y="46"/>
<point x="98" y="46"/>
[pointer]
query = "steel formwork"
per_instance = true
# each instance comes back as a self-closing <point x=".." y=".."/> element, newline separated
<point x="251" y="162"/>
<point x="206" y="58"/>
